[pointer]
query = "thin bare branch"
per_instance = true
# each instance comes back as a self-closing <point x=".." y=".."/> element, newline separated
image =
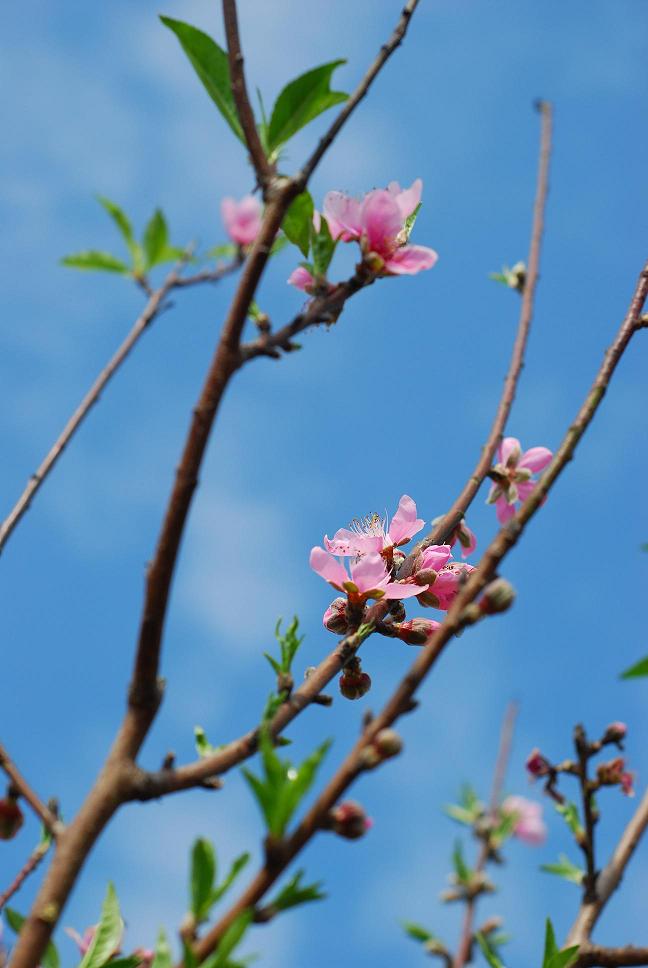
<point x="49" y="819"/>
<point x="610" y="877"/>
<point x="591" y="955"/>
<point x="28" y="868"/>
<point x="360" y="92"/>
<point x="401" y="699"/>
<point x="476" y="479"/>
<point x="264" y="170"/>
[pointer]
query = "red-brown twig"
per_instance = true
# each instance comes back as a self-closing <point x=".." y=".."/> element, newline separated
<point x="119" y="773"/>
<point x="609" y="878"/>
<point x="49" y="819"/>
<point x="591" y="955"/>
<point x="476" y="479"/>
<point x="401" y="700"/>
<point x="28" y="868"/>
<point x="466" y="941"/>
<point x="264" y="170"/>
<point x="153" y="308"/>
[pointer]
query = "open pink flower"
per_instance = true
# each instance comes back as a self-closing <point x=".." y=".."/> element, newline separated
<point x="529" y="825"/>
<point x="242" y="219"/>
<point x="376" y="534"/>
<point x="369" y="577"/>
<point x="378" y="223"/>
<point x="513" y="476"/>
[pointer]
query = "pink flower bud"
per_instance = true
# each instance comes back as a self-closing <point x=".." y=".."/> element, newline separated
<point x="335" y="617"/>
<point x="416" y="631"/>
<point x="529" y="825"/>
<point x="348" y="819"/>
<point x="11" y="818"/>
<point x="536" y="763"/>
<point x="354" y="684"/>
<point x="614" y="773"/>
<point x="615" y="732"/>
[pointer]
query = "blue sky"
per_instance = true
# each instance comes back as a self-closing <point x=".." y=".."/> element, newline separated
<point x="396" y="399"/>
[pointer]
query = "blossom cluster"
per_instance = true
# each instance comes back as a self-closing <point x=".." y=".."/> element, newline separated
<point x="372" y="547"/>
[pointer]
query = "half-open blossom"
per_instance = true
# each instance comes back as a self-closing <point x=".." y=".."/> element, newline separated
<point x="416" y="631"/>
<point x="302" y="279"/>
<point x="335" y="617"/>
<point x="442" y="590"/>
<point x="376" y="534"/>
<point x="242" y="219"/>
<point x="379" y="223"/>
<point x="513" y="475"/>
<point x="537" y="764"/>
<point x="614" y="773"/>
<point x="369" y="577"/>
<point x="528" y="824"/>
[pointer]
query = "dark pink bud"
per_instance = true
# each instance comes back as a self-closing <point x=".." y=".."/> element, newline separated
<point x="11" y="818"/>
<point x="416" y="631"/>
<point x="348" y="819"/>
<point x="615" y="732"/>
<point x="354" y="684"/>
<point x="335" y="617"/>
<point x="537" y="764"/>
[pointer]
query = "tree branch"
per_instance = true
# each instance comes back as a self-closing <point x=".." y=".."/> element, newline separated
<point x="153" y="308"/>
<point x="466" y="941"/>
<point x="590" y="955"/>
<point x="610" y="877"/>
<point x="476" y="479"/>
<point x="401" y="700"/>
<point x="360" y="92"/>
<point x="264" y="170"/>
<point x="48" y="818"/>
<point x="28" y="868"/>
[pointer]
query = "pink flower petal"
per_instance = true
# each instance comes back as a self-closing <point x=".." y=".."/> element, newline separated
<point x="525" y="489"/>
<point x="404" y="525"/>
<point x="508" y="449"/>
<point x="435" y="557"/>
<point x="342" y="212"/>
<point x="301" y="278"/>
<point x="536" y="459"/>
<point x="369" y="572"/>
<point x="408" y="198"/>
<point x="242" y="219"/>
<point x="402" y="590"/>
<point x="328" y="568"/>
<point x="504" y="510"/>
<point x="381" y="221"/>
<point x="410" y="259"/>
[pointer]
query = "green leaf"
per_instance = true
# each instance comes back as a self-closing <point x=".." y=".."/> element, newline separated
<point x="156" y="240"/>
<point x="234" y="872"/>
<point x="302" y="100"/>
<point x="122" y="222"/>
<point x="569" y="812"/>
<point x="490" y="955"/>
<point x="163" y="954"/>
<point x="131" y="961"/>
<point x="553" y="957"/>
<point x="283" y="787"/>
<point x="226" y="251"/>
<point x="298" y="222"/>
<point x="212" y="67"/>
<point x="50" y="958"/>
<point x="203" y="746"/>
<point x="231" y="938"/>
<point x="323" y="248"/>
<point x="293" y="894"/>
<point x="410" y="220"/>
<point x="461" y="869"/>
<point x="108" y="935"/>
<point x="417" y="932"/>
<point x="92" y="259"/>
<point x="565" y="868"/>
<point x="203" y="874"/>
<point x="188" y="956"/>
<point x="636" y="671"/>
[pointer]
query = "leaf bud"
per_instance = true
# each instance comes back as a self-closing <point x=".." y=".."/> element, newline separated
<point x="387" y="743"/>
<point x="498" y="596"/>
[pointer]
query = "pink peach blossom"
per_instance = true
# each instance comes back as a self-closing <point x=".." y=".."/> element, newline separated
<point x="369" y="577"/>
<point x="242" y="219"/>
<point x="529" y="825"/>
<point x="442" y="592"/>
<point x="302" y="279"/>
<point x="378" y="223"/>
<point x="375" y="534"/>
<point x="513" y="473"/>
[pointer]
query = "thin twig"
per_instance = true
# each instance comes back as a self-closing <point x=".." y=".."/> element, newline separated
<point x="464" y="949"/>
<point x="28" y="868"/>
<point x="360" y="92"/>
<point x="587" y="844"/>
<point x="400" y="702"/>
<point x="49" y="819"/>
<point x="476" y="479"/>
<point x="154" y="306"/>
<point x="609" y="878"/>
<point x="591" y="955"/>
<point x="263" y="168"/>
